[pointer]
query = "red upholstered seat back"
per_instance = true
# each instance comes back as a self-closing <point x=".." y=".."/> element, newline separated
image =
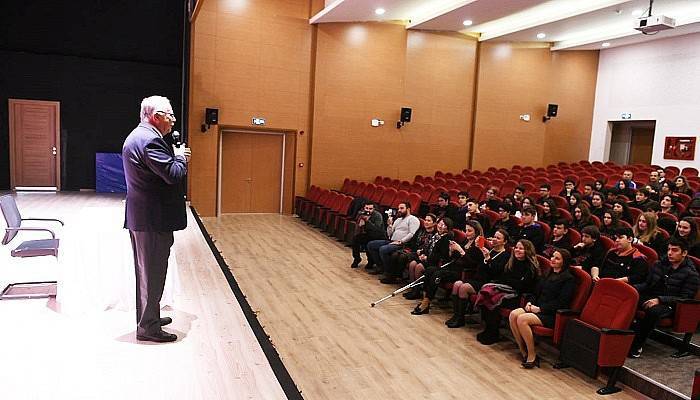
<point x="611" y="305"/>
<point x="583" y="288"/>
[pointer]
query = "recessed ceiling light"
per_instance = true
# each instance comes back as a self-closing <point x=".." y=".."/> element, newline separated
<point x="606" y="44"/>
<point x="541" y="35"/>
<point x="379" y="11"/>
<point x="637" y="12"/>
<point x="467" y="22"/>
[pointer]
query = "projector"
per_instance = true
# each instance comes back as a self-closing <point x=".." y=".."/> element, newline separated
<point x="654" y="23"/>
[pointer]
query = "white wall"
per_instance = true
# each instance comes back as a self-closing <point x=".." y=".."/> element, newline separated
<point x="657" y="80"/>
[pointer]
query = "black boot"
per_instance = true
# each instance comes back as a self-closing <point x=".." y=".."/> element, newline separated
<point x="492" y="320"/>
<point x="459" y="320"/>
<point x="455" y="305"/>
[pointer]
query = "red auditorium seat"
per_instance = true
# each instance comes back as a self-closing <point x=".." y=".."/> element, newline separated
<point x="558" y="200"/>
<point x="386" y="182"/>
<point x="595" y="220"/>
<point x="378" y="180"/>
<point x="359" y="189"/>
<point x="376" y="195"/>
<point x="346" y="185"/>
<point x="428" y="180"/>
<point x="340" y="207"/>
<point x="449" y="175"/>
<point x="508" y="187"/>
<point x="439" y="174"/>
<point x="546" y="230"/>
<point x="564" y="213"/>
<point x="418" y="179"/>
<point x="415" y="200"/>
<point x="635" y="212"/>
<point x="475" y="190"/>
<point x="299" y="201"/>
<point x="607" y="243"/>
<point x="672" y="217"/>
<point x="583" y="289"/>
<point x="684" y="199"/>
<point x="459" y="236"/>
<point x="435" y="194"/>
<point x="439" y="181"/>
<point x="450" y="184"/>
<point x="528" y="186"/>
<point x="574" y="236"/>
<point x="672" y="172"/>
<point x="427" y="191"/>
<point x="600" y="337"/>
<point x="491" y="215"/>
<point x="405" y="185"/>
<point x="388" y="197"/>
<point x="685" y="319"/>
<point x="648" y="252"/>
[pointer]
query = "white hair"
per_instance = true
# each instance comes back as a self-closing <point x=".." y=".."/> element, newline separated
<point x="151" y="104"/>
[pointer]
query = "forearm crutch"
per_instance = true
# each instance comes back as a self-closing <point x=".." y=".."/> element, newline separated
<point x="411" y="285"/>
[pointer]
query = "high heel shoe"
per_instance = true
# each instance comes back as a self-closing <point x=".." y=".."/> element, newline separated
<point x="530" y="365"/>
<point x="421" y="311"/>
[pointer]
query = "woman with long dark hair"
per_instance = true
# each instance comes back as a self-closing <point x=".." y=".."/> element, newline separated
<point x="609" y="224"/>
<point x="550" y="214"/>
<point x="681" y="186"/>
<point x="554" y="292"/>
<point x="622" y="210"/>
<point x="582" y="217"/>
<point x="688" y="230"/>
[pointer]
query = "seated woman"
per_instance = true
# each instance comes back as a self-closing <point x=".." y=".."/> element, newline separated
<point x="438" y="254"/>
<point x="555" y="291"/>
<point x="574" y="201"/>
<point x="609" y="224"/>
<point x="666" y="188"/>
<point x="526" y="203"/>
<point x="598" y="205"/>
<point x="519" y="276"/>
<point x="688" y="230"/>
<point x="622" y="188"/>
<point x="582" y="217"/>
<point x="401" y="259"/>
<point x="668" y="205"/>
<point x="599" y="186"/>
<point x="681" y="186"/>
<point x="490" y="268"/>
<point x="550" y="214"/>
<point x="647" y="232"/>
<point x="622" y="210"/>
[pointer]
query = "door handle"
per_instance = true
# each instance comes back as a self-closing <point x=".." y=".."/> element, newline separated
<point x="248" y="179"/>
<point x="53" y="150"/>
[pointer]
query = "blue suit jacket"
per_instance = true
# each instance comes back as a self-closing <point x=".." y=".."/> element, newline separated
<point x="154" y="198"/>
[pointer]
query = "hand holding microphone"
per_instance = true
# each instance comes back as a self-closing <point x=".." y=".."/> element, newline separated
<point x="179" y="148"/>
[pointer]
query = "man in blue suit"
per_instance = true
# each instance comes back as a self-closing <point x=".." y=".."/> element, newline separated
<point x="155" y="207"/>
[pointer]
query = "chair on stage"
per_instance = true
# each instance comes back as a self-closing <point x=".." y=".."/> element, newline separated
<point x="29" y="248"/>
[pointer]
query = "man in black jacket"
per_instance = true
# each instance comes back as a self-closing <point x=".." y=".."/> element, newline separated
<point x="155" y="207"/>
<point x="370" y="226"/>
<point x="531" y="230"/>
<point x="643" y="202"/>
<point x="670" y="280"/>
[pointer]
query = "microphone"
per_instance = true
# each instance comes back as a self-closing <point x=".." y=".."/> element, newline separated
<point x="176" y="138"/>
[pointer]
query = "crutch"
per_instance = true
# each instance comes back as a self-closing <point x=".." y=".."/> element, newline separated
<point x="411" y="285"/>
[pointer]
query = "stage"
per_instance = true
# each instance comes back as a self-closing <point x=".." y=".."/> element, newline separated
<point x="87" y="352"/>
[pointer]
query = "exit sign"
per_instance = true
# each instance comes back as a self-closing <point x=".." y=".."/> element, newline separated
<point x="626" y="116"/>
<point x="258" y="121"/>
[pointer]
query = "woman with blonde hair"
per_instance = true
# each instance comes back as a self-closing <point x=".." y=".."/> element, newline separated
<point x="519" y="276"/>
<point x="646" y="231"/>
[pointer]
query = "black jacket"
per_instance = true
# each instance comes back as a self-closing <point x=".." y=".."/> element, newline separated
<point x="633" y="266"/>
<point x="670" y="285"/>
<point x="535" y="234"/>
<point x="520" y="277"/>
<point x="555" y="292"/>
<point x="589" y="257"/>
<point x="155" y="201"/>
<point x="374" y="226"/>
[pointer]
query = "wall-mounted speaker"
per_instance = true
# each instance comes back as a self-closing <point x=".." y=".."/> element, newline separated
<point x="211" y="116"/>
<point x="405" y="114"/>
<point x="552" y="110"/>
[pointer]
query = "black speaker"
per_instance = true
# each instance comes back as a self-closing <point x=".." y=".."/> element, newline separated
<point x="405" y="114"/>
<point x="211" y="116"/>
<point x="552" y="110"/>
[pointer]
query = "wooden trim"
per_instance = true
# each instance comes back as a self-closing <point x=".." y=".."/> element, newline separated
<point x="475" y="96"/>
<point x="195" y="11"/>
<point x="57" y="137"/>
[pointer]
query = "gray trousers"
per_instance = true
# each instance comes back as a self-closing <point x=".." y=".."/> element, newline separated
<point x="151" y="252"/>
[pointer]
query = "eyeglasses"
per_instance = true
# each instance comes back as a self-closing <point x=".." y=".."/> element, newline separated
<point x="169" y="114"/>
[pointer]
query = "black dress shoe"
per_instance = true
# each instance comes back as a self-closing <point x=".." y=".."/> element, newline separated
<point x="355" y="264"/>
<point x="531" y="364"/>
<point x="160" y="337"/>
<point x="418" y="311"/>
<point x="165" y="321"/>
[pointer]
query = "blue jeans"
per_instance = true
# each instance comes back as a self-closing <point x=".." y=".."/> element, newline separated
<point x="380" y="252"/>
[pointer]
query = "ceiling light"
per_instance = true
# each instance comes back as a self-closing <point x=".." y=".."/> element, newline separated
<point x="467" y="22"/>
<point x="606" y="44"/>
<point x="637" y="12"/>
<point x="541" y="35"/>
<point x="379" y="11"/>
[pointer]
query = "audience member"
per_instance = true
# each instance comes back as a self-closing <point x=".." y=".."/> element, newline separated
<point x="622" y="211"/>
<point x="555" y="291"/>
<point x="400" y="232"/>
<point x="462" y="210"/>
<point x="440" y="254"/>
<point x="668" y="205"/>
<point x="574" y="201"/>
<point x="519" y="276"/>
<point x="443" y="208"/>
<point x="494" y="261"/>
<point x="569" y="189"/>
<point x="531" y="230"/>
<point x="688" y="230"/>
<point x="559" y="239"/>
<point x="610" y="224"/>
<point x="643" y="202"/>
<point x="693" y="209"/>
<point x="369" y="226"/>
<point x="647" y="232"/>
<point x="599" y="186"/>
<point x="587" y="192"/>
<point x="671" y="279"/>
<point x="622" y="191"/>
<point x="545" y="190"/>
<point x="506" y="223"/>
<point x="582" y="217"/>
<point x="590" y="251"/>
<point x="623" y="262"/>
<point x="401" y="259"/>
<point x="598" y="205"/>
<point x="550" y="212"/>
<point x="681" y="186"/>
<point x="627" y="177"/>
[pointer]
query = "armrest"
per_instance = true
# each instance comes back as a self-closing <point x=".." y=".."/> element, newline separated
<point x="53" y="235"/>
<point x="44" y="219"/>
<point x="568" y="312"/>
<point x="608" y="331"/>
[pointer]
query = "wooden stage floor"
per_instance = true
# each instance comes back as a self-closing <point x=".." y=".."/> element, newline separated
<point x="46" y="353"/>
<point x="316" y="311"/>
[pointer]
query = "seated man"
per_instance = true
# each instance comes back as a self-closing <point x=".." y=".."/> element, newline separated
<point x="559" y="238"/>
<point x="623" y="262"/>
<point x="531" y="230"/>
<point x="369" y="226"/>
<point x="643" y="202"/>
<point x="589" y="252"/>
<point x="462" y="211"/>
<point x="506" y="223"/>
<point x="545" y="190"/>
<point x="654" y="186"/>
<point x="518" y="196"/>
<point x="569" y="189"/>
<point x="444" y="209"/>
<point x="400" y="232"/>
<point x="627" y="177"/>
<point x="670" y="279"/>
<point x="587" y="192"/>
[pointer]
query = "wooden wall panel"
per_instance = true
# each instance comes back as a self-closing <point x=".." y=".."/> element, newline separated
<point x="523" y="79"/>
<point x="371" y="70"/>
<point x="249" y="59"/>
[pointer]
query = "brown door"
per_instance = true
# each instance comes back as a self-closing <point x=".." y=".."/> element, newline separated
<point x="251" y="173"/>
<point x="34" y="143"/>
<point x="642" y="145"/>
